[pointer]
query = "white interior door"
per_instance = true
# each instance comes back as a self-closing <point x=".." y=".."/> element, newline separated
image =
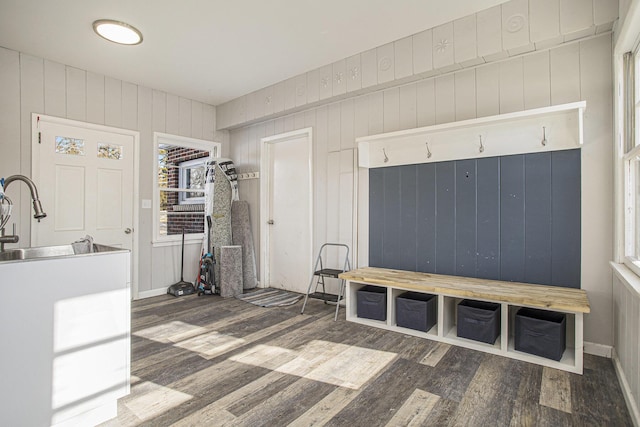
<point x="288" y="225"/>
<point x="85" y="179"/>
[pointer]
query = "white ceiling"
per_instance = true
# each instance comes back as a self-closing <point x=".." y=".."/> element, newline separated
<point x="217" y="50"/>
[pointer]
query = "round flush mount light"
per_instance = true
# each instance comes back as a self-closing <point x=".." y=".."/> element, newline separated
<point x="117" y="32"/>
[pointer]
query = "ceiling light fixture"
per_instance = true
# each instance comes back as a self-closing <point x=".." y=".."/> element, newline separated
<point x="117" y="32"/>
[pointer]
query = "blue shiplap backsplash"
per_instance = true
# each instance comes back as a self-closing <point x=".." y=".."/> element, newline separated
<point x="513" y="218"/>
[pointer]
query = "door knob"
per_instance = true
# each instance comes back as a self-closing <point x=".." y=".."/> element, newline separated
<point x="127" y="230"/>
<point x="270" y="222"/>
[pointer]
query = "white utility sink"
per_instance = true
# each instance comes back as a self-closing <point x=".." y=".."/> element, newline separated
<point x="65" y="356"/>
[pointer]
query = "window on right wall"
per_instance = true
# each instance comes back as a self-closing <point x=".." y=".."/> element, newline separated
<point x="631" y="160"/>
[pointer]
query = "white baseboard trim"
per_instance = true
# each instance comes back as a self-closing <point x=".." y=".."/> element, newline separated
<point x="598" y="349"/>
<point x="152" y="293"/>
<point x="632" y="405"/>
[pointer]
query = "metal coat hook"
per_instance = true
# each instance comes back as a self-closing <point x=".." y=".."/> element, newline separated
<point x="386" y="159"/>
<point x="544" y="136"/>
<point x="481" y="146"/>
<point x="428" y="151"/>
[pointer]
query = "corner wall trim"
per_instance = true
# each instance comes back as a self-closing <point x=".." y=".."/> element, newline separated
<point x="632" y="405"/>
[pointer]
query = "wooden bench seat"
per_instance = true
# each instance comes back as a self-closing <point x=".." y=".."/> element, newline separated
<point x="524" y="294"/>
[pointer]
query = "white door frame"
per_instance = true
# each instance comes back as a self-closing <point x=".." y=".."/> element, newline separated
<point x="35" y="161"/>
<point x="265" y="197"/>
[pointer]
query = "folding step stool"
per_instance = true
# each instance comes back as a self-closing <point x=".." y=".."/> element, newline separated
<point x="321" y="273"/>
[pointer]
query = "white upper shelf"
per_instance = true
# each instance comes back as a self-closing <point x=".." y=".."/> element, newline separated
<point x="501" y="135"/>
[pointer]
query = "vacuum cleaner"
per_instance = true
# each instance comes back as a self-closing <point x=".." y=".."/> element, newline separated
<point x="182" y="287"/>
<point x="207" y="277"/>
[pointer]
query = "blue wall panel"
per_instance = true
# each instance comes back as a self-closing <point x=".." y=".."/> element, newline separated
<point x="376" y="216"/>
<point x="514" y="218"/>
<point x="407" y="253"/>
<point x="565" y="229"/>
<point x="426" y="218"/>
<point x="392" y="219"/>
<point x="537" y="232"/>
<point x="465" y="218"/>
<point x="445" y="218"/>
<point x="488" y="219"/>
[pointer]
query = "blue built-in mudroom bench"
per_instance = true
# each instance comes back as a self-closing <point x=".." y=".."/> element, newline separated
<point x="450" y="290"/>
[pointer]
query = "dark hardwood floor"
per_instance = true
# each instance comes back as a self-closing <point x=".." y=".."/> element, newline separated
<point x="208" y="361"/>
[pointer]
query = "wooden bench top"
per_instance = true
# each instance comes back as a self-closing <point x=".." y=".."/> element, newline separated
<point x="525" y="294"/>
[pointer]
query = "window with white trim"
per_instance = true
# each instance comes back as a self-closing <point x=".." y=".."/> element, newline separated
<point x="631" y="160"/>
<point x="178" y="203"/>
<point x="191" y="177"/>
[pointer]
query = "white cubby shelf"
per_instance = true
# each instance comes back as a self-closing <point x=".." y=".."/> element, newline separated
<point x="450" y="290"/>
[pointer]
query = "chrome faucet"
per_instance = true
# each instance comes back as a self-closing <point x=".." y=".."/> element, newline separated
<point x="37" y="207"/>
<point x="4" y="218"/>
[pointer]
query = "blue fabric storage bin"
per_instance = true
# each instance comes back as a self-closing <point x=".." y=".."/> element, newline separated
<point x="478" y="320"/>
<point x="541" y="332"/>
<point x="415" y="310"/>
<point x="372" y="303"/>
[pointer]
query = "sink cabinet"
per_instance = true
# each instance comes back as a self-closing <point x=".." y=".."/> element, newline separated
<point x="65" y="322"/>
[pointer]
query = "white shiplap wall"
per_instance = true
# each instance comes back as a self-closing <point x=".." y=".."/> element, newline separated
<point x="626" y="320"/>
<point x="570" y="72"/>
<point x="506" y="30"/>
<point x="30" y="84"/>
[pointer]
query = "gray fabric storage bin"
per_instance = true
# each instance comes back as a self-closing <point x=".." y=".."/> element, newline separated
<point x="541" y="332"/>
<point x="479" y="320"/>
<point x="415" y="310"/>
<point x="372" y="303"/>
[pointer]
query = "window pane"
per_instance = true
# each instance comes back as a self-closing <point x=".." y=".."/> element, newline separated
<point x="174" y="223"/>
<point x="192" y="178"/>
<point x="176" y="164"/>
<point x="634" y="81"/>
<point x="109" y="151"/>
<point x="167" y="200"/>
<point x="636" y="208"/>
<point x="67" y="145"/>
<point x="174" y="216"/>
<point x="636" y="130"/>
<point x="163" y="171"/>
<point x="195" y="178"/>
<point x="163" y="223"/>
<point x="635" y="71"/>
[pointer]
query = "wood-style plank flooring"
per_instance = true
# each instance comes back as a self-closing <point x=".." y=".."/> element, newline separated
<point x="208" y="361"/>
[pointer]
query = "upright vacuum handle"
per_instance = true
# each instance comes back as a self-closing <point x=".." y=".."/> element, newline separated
<point x="209" y="248"/>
